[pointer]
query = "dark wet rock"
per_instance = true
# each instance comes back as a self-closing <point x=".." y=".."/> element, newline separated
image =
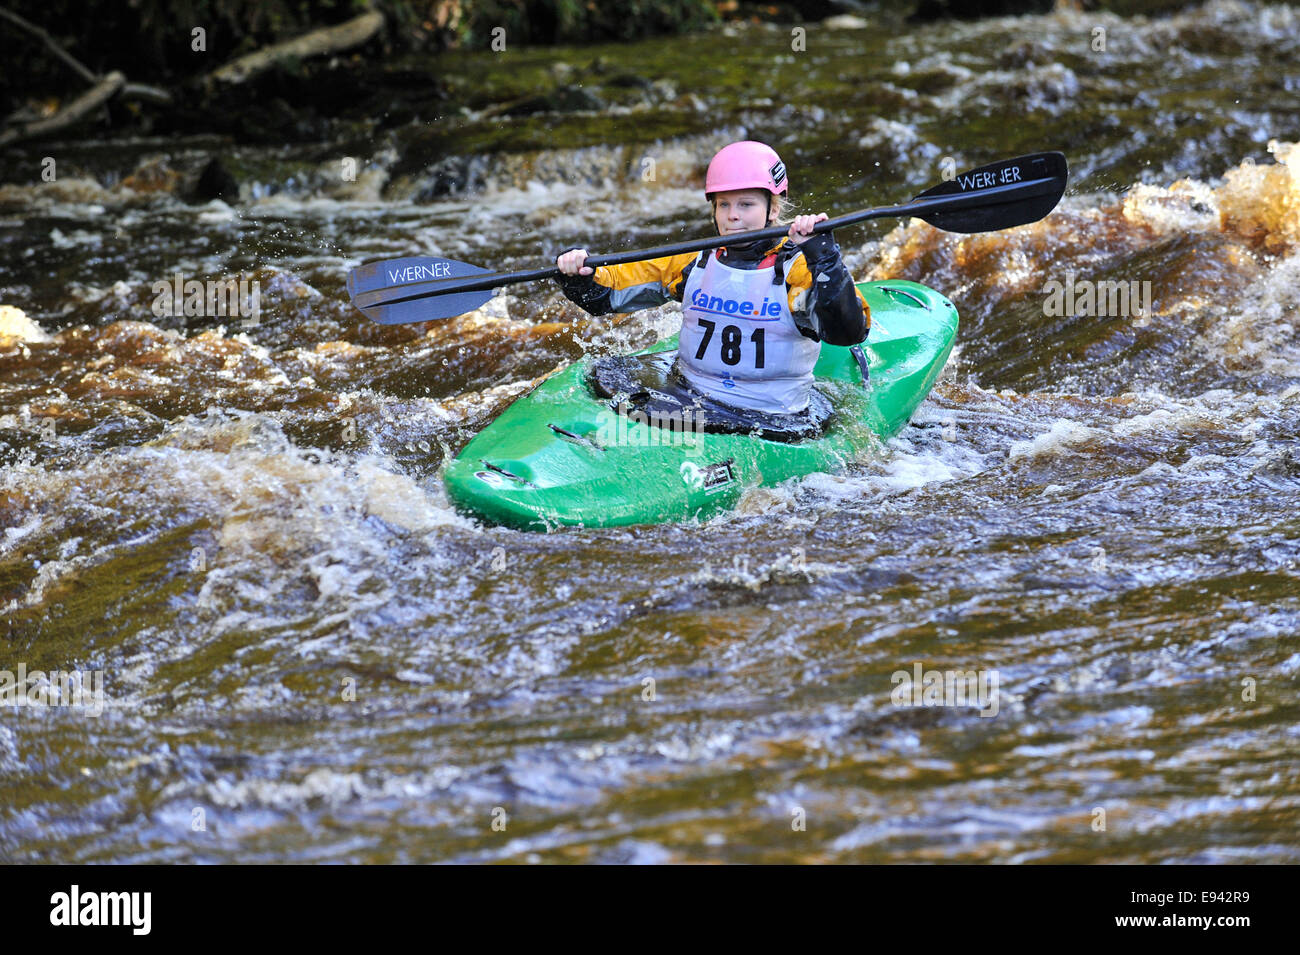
<point x="1040" y="87"/>
<point x="935" y="79"/>
<point x="566" y="99"/>
<point x="319" y="102"/>
<point x="215" y="182"/>
<point x="450" y="175"/>
<point x="278" y="121"/>
<point x="804" y="11"/>
<point x="1024" y="53"/>
<point x="398" y="115"/>
<point x="1119" y="672"/>
<point x="628" y="81"/>
<point x="974" y="9"/>
<point x="1129" y="8"/>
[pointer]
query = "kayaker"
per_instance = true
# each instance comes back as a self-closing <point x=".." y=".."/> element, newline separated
<point x="753" y="315"/>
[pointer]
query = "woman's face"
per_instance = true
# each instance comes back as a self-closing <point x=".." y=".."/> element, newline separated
<point x="742" y="210"/>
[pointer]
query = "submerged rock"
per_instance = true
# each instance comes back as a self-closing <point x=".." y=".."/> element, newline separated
<point x="215" y="182"/>
<point x="153" y="175"/>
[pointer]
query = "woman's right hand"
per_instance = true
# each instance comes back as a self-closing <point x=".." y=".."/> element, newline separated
<point x="571" y="262"/>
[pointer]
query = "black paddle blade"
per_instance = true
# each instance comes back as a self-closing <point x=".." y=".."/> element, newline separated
<point x="997" y="201"/>
<point x="379" y="289"/>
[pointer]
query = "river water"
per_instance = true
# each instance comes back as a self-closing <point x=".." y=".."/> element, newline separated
<point x="307" y="655"/>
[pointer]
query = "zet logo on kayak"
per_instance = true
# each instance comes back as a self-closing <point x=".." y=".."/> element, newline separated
<point x="709" y="478"/>
<point x="631" y="427"/>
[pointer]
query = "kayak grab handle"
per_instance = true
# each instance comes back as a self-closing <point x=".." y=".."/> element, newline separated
<point x="922" y="303"/>
<point x="856" y="352"/>
<point x="500" y="470"/>
<point x="576" y="438"/>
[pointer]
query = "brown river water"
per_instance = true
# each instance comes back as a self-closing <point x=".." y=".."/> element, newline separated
<point x="237" y="524"/>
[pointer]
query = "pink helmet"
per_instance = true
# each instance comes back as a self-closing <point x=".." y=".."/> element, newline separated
<point x="745" y="165"/>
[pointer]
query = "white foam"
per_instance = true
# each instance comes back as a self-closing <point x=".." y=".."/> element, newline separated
<point x="14" y="323"/>
<point x="905" y="469"/>
<point x="1060" y="437"/>
<point x="217" y="211"/>
<point x="1259" y="325"/>
<point x="78" y="237"/>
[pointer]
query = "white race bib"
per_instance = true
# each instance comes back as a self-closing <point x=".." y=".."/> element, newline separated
<point x="739" y="342"/>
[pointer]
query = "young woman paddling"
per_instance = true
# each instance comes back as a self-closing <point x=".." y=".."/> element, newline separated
<point x="753" y="315"/>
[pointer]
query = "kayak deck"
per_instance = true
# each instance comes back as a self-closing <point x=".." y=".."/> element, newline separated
<point x="560" y="455"/>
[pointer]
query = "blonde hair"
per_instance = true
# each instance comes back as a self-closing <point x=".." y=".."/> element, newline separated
<point x="787" y="211"/>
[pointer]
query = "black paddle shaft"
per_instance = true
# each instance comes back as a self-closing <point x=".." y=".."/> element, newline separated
<point x="997" y="196"/>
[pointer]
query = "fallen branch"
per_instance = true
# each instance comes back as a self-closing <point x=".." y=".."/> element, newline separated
<point x="146" y="94"/>
<point x="325" y="40"/>
<point x="72" y="114"/>
<point x="59" y="51"/>
<point x="102" y="89"/>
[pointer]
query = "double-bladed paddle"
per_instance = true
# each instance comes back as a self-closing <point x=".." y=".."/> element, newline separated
<point x="997" y="196"/>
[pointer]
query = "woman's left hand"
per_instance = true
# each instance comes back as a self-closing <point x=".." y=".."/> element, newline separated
<point x="802" y="226"/>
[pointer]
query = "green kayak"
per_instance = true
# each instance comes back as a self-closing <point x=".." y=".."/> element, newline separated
<point x="612" y="442"/>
